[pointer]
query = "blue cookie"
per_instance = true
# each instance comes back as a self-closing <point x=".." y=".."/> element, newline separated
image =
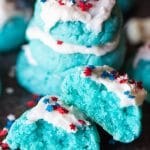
<point x="13" y="32"/>
<point x="44" y="69"/>
<point x="76" y="32"/>
<point x="53" y="126"/>
<point x="108" y="98"/>
<point x="139" y="67"/>
<point x="13" y="24"/>
<point x="125" y="5"/>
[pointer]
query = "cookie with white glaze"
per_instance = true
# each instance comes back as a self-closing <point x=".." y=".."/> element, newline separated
<point x="108" y="98"/>
<point x="139" y="66"/>
<point x="42" y="70"/>
<point x="53" y="125"/>
<point x="51" y="58"/>
<point x="94" y="26"/>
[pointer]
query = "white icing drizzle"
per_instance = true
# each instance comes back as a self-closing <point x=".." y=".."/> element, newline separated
<point x="52" y="12"/>
<point x="143" y="54"/>
<point x="8" y="10"/>
<point x="54" y="117"/>
<point x="114" y="85"/>
<point x="66" y="48"/>
<point x="29" y="56"/>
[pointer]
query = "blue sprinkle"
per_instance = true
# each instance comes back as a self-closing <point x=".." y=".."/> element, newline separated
<point x="104" y="74"/>
<point x="43" y="1"/>
<point x="111" y="77"/>
<point x="9" y="124"/>
<point x="46" y="101"/>
<point x="91" y="66"/>
<point x="73" y="1"/>
<point x="131" y="96"/>
<point x="49" y="108"/>
<point x="127" y="92"/>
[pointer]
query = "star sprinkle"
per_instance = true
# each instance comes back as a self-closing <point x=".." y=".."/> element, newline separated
<point x="72" y="127"/>
<point x="3" y="132"/>
<point x="62" y="110"/>
<point x="59" y="42"/>
<point x="82" y="122"/>
<point x="87" y="71"/>
<point x="54" y="99"/>
<point x="84" y="6"/>
<point x="49" y="108"/>
<point x="46" y="101"/>
<point x="30" y="104"/>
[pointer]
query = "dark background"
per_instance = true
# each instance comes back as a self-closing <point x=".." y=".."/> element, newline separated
<point x="16" y="102"/>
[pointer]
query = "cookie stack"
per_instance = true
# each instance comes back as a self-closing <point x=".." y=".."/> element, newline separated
<point x="67" y="34"/>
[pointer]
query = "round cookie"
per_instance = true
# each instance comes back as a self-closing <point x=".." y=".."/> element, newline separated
<point x="42" y="70"/>
<point x="53" y="125"/>
<point x="139" y="67"/>
<point x="108" y="98"/>
<point x="70" y="24"/>
<point x="14" y="17"/>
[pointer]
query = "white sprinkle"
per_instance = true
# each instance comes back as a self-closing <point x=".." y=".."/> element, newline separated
<point x="11" y="117"/>
<point x="9" y="90"/>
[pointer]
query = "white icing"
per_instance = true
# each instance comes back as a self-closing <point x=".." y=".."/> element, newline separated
<point x="143" y="54"/>
<point x="8" y="10"/>
<point x="52" y="12"/>
<point x="29" y="56"/>
<point x="66" y="48"/>
<point x="118" y="88"/>
<point x="55" y="118"/>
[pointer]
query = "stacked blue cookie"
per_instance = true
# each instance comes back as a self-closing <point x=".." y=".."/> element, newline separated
<point x="78" y="34"/>
<point x="52" y="125"/>
<point x="14" y="18"/>
<point x="110" y="99"/>
<point x="138" y="67"/>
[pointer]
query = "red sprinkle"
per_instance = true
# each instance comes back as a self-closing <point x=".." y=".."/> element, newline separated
<point x="85" y="6"/>
<point x="59" y="42"/>
<point x="3" y="133"/>
<point x="62" y="110"/>
<point x="82" y="122"/>
<point x="72" y="127"/>
<point x="4" y="146"/>
<point x="123" y="81"/>
<point x="60" y="2"/>
<point x="88" y="71"/>
<point x="30" y="104"/>
<point x="54" y="99"/>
